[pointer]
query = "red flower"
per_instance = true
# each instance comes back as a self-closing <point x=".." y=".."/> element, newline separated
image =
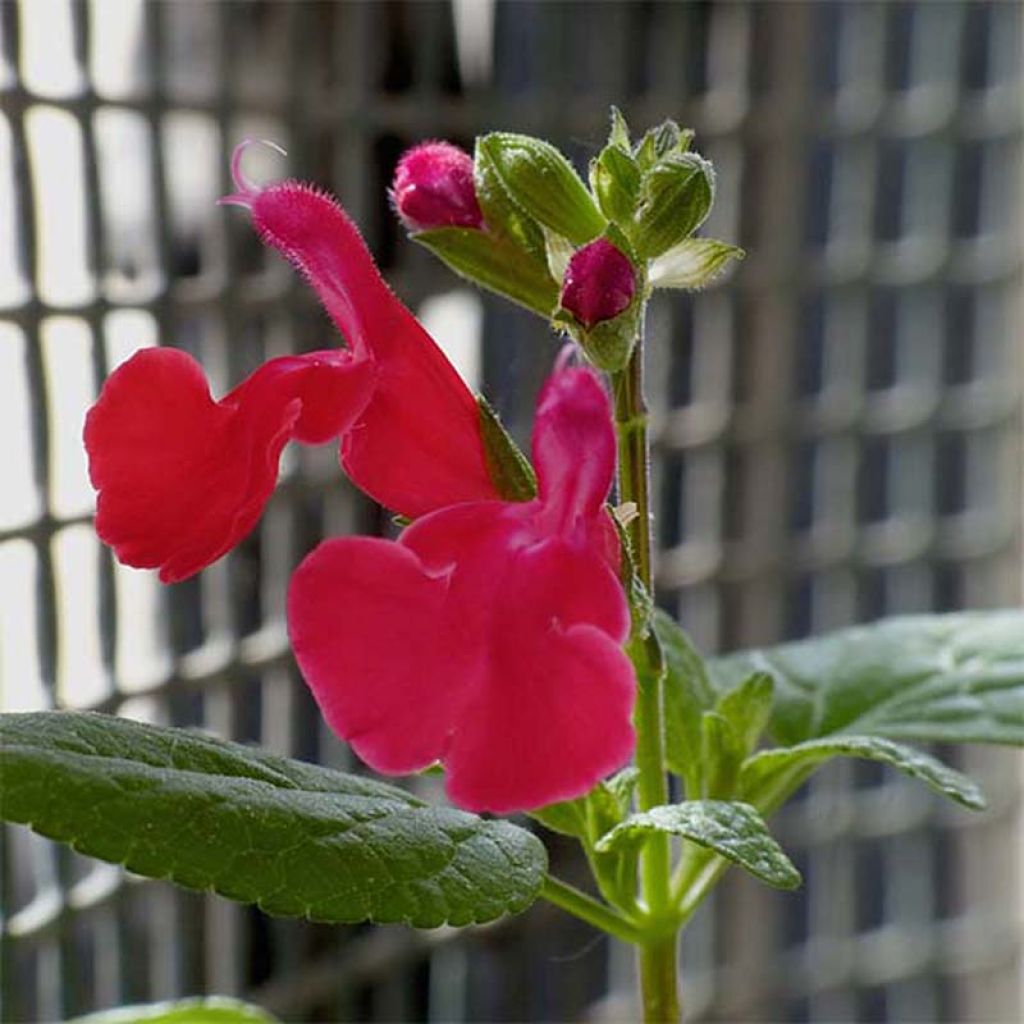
<point x="182" y="479"/>
<point x="490" y="635"/>
<point x="434" y="188"/>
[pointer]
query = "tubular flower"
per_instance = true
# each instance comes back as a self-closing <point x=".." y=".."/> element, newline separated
<point x="489" y="636"/>
<point x="434" y="188"/>
<point x="182" y="478"/>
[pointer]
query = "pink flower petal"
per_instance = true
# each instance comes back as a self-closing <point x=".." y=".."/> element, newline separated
<point x="182" y="478"/>
<point x="370" y="633"/>
<point x="417" y="445"/>
<point x="490" y="635"/>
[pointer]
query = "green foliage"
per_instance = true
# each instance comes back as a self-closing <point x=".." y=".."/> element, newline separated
<point x="209" y="1010"/>
<point x="543" y="184"/>
<point x="590" y="817"/>
<point x="933" y="678"/>
<point x="775" y="771"/>
<point x="294" y="838"/>
<point x="747" y="708"/>
<point x="494" y="262"/>
<point x="687" y="695"/>
<point x="732" y="830"/>
<point x="510" y="469"/>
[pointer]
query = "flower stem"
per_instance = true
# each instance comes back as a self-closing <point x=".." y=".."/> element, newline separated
<point x="586" y="908"/>
<point x="657" y="955"/>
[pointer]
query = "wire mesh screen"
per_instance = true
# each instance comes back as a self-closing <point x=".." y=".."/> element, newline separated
<point x="838" y="429"/>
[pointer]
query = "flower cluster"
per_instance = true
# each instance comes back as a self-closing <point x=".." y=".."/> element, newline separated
<point x="489" y="635"/>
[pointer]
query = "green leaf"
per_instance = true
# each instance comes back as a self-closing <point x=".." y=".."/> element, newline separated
<point x="496" y="263"/>
<point x="543" y="184"/>
<point x="783" y="767"/>
<point x="693" y="263"/>
<point x="208" y="1010"/>
<point x="687" y="695"/>
<point x="509" y="468"/>
<point x="733" y="830"/>
<point x="676" y="197"/>
<point x="615" y="182"/>
<point x="931" y="678"/>
<point x="721" y="754"/>
<point x="296" y="839"/>
<point x="748" y="708"/>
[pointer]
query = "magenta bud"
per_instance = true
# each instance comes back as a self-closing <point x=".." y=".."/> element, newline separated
<point x="433" y="188"/>
<point x="599" y="283"/>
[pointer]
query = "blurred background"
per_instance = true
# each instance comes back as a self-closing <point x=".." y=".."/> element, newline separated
<point x="838" y="431"/>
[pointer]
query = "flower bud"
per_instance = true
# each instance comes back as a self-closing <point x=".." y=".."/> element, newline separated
<point x="599" y="283"/>
<point x="433" y="188"/>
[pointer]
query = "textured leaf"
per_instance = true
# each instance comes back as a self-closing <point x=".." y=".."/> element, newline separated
<point x="209" y="1010"/>
<point x="296" y="839"/>
<point x="494" y="262"/>
<point x="942" y="678"/>
<point x="734" y="830"/>
<point x="770" y="768"/>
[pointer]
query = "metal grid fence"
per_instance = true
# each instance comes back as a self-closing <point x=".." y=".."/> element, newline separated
<point x="839" y="433"/>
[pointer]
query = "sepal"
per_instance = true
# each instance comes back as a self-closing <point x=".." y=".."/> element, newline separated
<point x="661" y="142"/>
<point x="502" y="215"/>
<point x="693" y="263"/>
<point x="543" y="184"/>
<point x="675" y="198"/>
<point x="615" y="181"/>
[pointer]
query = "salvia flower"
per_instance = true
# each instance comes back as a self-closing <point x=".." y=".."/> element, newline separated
<point x="182" y="478"/>
<point x="433" y="188"/>
<point x="489" y="636"/>
<point x="599" y="283"/>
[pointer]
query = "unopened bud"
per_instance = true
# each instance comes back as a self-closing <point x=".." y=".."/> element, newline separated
<point x="599" y="283"/>
<point x="433" y="188"/>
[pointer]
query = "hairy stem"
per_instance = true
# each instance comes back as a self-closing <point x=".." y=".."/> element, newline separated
<point x="657" y="956"/>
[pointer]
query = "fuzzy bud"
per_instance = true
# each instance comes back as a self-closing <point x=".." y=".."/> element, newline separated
<point x="599" y="283"/>
<point x="433" y="188"/>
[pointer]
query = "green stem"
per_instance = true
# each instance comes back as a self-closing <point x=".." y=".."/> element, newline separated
<point x="658" y="972"/>
<point x="658" y="981"/>
<point x="586" y="908"/>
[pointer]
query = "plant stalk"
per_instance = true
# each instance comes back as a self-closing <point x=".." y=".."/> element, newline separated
<point x="586" y="908"/>
<point x="657" y="955"/>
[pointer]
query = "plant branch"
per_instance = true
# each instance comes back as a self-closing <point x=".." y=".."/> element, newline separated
<point x="586" y="908"/>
